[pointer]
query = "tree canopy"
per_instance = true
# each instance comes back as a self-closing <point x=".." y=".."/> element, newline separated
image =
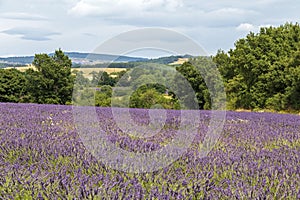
<point x="52" y="82"/>
<point x="262" y="71"/>
<point x="12" y="85"/>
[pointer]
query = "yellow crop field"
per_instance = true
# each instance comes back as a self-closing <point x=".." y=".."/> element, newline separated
<point x="22" y="69"/>
<point x="180" y="61"/>
<point x="86" y="71"/>
<point x="108" y="70"/>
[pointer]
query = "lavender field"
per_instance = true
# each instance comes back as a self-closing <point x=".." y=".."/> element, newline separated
<point x="42" y="157"/>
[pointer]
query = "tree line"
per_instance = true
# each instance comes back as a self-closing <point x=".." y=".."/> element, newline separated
<point x="262" y="71"/>
<point x="50" y="83"/>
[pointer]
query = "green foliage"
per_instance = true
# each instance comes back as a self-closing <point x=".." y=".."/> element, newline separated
<point x="80" y="80"/>
<point x="194" y="78"/>
<point x="110" y="65"/>
<point x="103" y="96"/>
<point x="102" y="78"/>
<point x="203" y="77"/>
<point x="52" y="82"/>
<point x="12" y="85"/>
<point x="147" y="96"/>
<point x="262" y="71"/>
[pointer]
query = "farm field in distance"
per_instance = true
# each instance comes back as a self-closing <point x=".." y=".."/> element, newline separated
<point x="86" y="71"/>
<point x="42" y="157"/>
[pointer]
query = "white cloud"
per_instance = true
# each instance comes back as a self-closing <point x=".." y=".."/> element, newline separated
<point x="166" y="13"/>
<point x="82" y="8"/>
<point x="21" y="16"/>
<point x="121" y="7"/>
<point x="34" y="34"/>
<point x="84" y="24"/>
<point x="229" y="11"/>
<point x="246" y="27"/>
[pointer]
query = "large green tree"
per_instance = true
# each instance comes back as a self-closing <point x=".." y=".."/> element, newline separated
<point x="262" y="71"/>
<point x="52" y="82"/>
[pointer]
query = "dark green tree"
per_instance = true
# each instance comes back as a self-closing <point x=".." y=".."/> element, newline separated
<point x="102" y="78"/>
<point x="193" y="76"/>
<point x="205" y="80"/>
<point x="52" y="82"/>
<point x="12" y="86"/>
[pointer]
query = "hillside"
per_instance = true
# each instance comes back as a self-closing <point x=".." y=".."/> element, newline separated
<point x="77" y="58"/>
<point x="86" y="60"/>
<point x="97" y="60"/>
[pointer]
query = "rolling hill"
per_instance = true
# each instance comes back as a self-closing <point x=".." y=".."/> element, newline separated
<point x="77" y="58"/>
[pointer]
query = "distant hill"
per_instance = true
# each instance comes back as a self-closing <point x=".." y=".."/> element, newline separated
<point x="169" y="60"/>
<point x="77" y="58"/>
<point x="97" y="60"/>
<point x="12" y="61"/>
<point x="101" y="58"/>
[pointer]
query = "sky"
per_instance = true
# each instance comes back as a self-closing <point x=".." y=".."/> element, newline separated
<point x="28" y="27"/>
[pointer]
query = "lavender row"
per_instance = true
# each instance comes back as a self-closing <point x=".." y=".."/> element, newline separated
<point x="42" y="157"/>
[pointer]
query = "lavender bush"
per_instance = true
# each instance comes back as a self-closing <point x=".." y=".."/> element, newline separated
<point x="42" y="157"/>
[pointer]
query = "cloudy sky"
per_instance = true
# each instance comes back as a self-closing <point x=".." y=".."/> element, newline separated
<point x="35" y="26"/>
